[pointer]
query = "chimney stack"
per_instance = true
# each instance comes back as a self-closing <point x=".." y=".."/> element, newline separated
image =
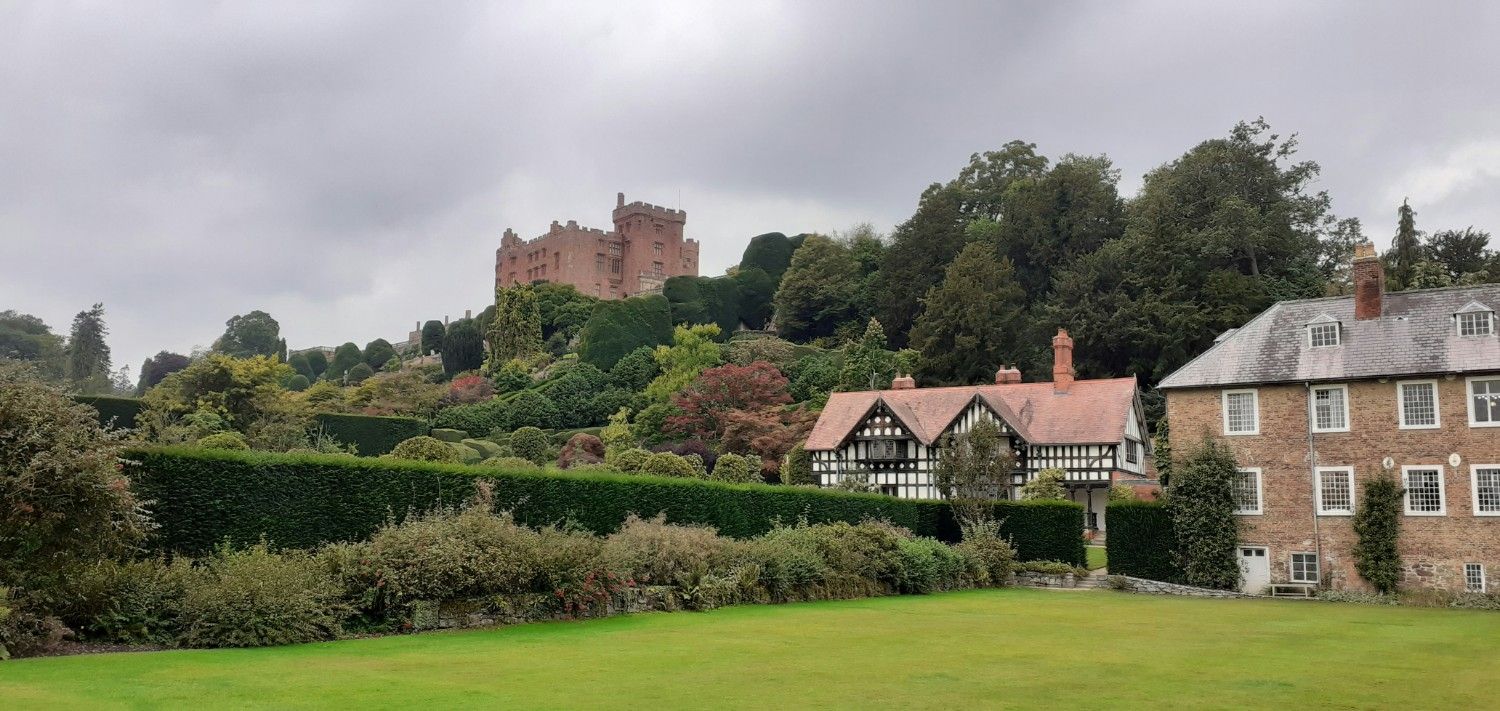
<point x="619" y="200"/>
<point x="1007" y="375"/>
<point x="1062" y="361"/>
<point x="904" y="382"/>
<point x="1369" y="282"/>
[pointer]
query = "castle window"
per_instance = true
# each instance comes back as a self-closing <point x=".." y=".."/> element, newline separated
<point x="1247" y="499"/>
<point x="614" y="265"/>
<point x="656" y="268"/>
<point x="1424" y="490"/>
<point x="656" y="248"/>
<point x="598" y="262"/>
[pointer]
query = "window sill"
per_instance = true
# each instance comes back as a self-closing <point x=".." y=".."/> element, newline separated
<point x="1333" y="431"/>
<point x="1420" y="427"/>
<point x="1249" y="513"/>
<point x="1426" y="514"/>
<point x="1483" y="424"/>
<point x="1242" y="434"/>
<point x="1336" y="514"/>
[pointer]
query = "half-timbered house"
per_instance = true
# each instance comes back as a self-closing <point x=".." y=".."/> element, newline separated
<point x="1094" y="430"/>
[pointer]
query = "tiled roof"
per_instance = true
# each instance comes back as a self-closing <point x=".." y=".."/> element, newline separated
<point x="1415" y="335"/>
<point x="1092" y="412"/>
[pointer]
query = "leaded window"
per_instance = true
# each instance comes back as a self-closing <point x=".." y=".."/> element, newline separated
<point x="1247" y="491"/>
<point x="1132" y="451"/>
<point x="1336" y="491"/>
<point x="1424" y="491"/>
<point x="1304" y="568"/>
<point x="1418" y="404"/>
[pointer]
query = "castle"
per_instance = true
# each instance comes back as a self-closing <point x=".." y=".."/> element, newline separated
<point x="636" y="257"/>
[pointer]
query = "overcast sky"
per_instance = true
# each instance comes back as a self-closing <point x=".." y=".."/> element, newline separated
<point x="350" y="167"/>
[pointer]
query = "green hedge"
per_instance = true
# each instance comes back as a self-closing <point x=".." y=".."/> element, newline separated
<point x="202" y="497"/>
<point x="114" y="412"/>
<point x="1141" y="541"/>
<point x="373" y="436"/>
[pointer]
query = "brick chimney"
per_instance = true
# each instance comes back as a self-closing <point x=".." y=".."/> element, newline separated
<point x="1062" y="361"/>
<point x="904" y="382"/>
<point x="1369" y="282"/>
<point x="1007" y="375"/>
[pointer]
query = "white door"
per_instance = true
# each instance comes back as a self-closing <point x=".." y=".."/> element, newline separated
<point x="1255" y="569"/>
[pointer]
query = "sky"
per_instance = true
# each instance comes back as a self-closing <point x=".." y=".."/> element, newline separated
<point x="350" y="167"/>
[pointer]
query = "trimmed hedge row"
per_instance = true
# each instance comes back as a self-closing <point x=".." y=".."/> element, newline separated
<point x="114" y="412"/>
<point x="1141" y="541"/>
<point x="201" y="497"/>
<point x="373" y="436"/>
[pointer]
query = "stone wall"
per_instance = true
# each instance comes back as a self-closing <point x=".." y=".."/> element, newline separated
<point x="1434" y="549"/>
<point x="1156" y="587"/>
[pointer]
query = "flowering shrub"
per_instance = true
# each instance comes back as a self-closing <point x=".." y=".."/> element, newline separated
<point x="469" y="389"/>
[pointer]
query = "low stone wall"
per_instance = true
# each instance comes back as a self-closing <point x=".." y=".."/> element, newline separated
<point x="1157" y="587"/>
<point x="1040" y="580"/>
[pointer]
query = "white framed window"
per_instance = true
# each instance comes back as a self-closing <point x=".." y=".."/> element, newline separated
<point x="1476" y="323"/>
<point x="1330" y="408"/>
<point x="1484" y="402"/>
<point x="1335" y="491"/>
<point x="1304" y="568"/>
<point x="1241" y="412"/>
<point x="1474" y="578"/>
<point x="1417" y="404"/>
<point x="1323" y="335"/>
<point x="1485" y="483"/>
<point x="1247" y="491"/>
<point x="1424" y="490"/>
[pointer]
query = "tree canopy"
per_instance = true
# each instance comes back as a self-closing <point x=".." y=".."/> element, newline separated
<point x="252" y="334"/>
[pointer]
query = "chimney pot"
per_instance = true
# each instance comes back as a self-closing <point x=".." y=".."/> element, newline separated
<point x="904" y="382"/>
<point x="1007" y="375"/>
<point x="1062" y="361"/>
<point x="1369" y="283"/>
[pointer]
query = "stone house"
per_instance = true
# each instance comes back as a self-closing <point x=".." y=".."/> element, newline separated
<point x="645" y="248"/>
<point x="1317" y="396"/>
<point x="1094" y="430"/>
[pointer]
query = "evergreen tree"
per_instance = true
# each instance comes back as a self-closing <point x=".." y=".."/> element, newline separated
<point x="1377" y="523"/>
<point x="973" y="320"/>
<point x="757" y="291"/>
<point x="345" y="357"/>
<point x="432" y="337"/>
<point x="1202" y="508"/>
<point x="1406" y="249"/>
<point x="818" y="292"/>
<point x="88" y="354"/>
<point x="317" y="362"/>
<point x="868" y="364"/>
<point x="463" y="348"/>
<point x="159" y="366"/>
<point x="516" y="330"/>
<point x="378" y="352"/>
<point x="771" y="253"/>
<point x="299" y="363"/>
<point x="1462" y="254"/>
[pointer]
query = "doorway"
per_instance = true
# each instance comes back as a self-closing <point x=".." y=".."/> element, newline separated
<point x="1255" y="569"/>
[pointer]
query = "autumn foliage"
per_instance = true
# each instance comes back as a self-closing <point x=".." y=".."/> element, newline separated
<point x="708" y="402"/>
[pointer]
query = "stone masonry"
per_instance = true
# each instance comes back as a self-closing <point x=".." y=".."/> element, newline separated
<point x="645" y="247"/>
<point x="1434" y="549"/>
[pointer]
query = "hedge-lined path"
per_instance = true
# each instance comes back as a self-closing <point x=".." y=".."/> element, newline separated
<point x="1017" y="648"/>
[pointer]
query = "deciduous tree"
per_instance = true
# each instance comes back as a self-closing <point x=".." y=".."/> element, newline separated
<point x="252" y="334"/>
<point x="973" y="468"/>
<point x="973" y="320"/>
<point x="705" y="403"/>
<point x="818" y="293"/>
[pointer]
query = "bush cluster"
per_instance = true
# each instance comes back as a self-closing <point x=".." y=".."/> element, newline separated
<point x="1142" y="541"/>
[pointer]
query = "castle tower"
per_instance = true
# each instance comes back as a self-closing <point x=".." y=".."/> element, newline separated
<point x="652" y="245"/>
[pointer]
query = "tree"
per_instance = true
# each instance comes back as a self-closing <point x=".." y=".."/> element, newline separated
<point x="317" y="362"/>
<point x="636" y="370"/>
<point x="26" y="337"/>
<point x="693" y="350"/>
<point x="378" y="352"/>
<point x="1406" y="248"/>
<point x="868" y="365"/>
<point x="299" y="363"/>
<point x="815" y="377"/>
<point x="1377" y="523"/>
<point x="433" y="333"/>
<point x="771" y="253"/>
<point x="769" y="433"/>
<point x="241" y="391"/>
<point x="705" y="403"/>
<point x="252" y="334"/>
<point x="159" y="366"/>
<point x="1051" y="218"/>
<point x="516" y="330"/>
<point x="972" y="321"/>
<point x="696" y="299"/>
<point x="88" y="354"/>
<point x="63" y="501"/>
<point x="359" y="373"/>
<point x="402" y="392"/>
<point x="463" y="348"/>
<point x="757" y="292"/>
<point x="344" y="357"/>
<point x="1201" y="502"/>
<point x="616" y="328"/>
<point x="530" y="407"/>
<point x="973" y="469"/>
<point x="1461" y="253"/>
<point x="819" y="290"/>
<point x="563" y="310"/>
<point x="1047" y="484"/>
<point x="1336" y="255"/>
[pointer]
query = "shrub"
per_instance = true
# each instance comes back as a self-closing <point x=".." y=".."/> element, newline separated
<point x="789" y="564"/>
<point x="581" y="450"/>
<point x="224" y="440"/>
<point x="202" y="497"/>
<point x="511" y="463"/>
<point x="114" y="412"/>
<point x="1047" y="484"/>
<point x="131" y="602"/>
<point x="928" y="566"/>
<point x="736" y="469"/>
<point x="297" y="383"/>
<point x="1120" y="493"/>
<point x="485" y="448"/>
<point x="615" y="328"/>
<point x="797" y="471"/>
<point x="989" y="559"/>
<point x="1377" y="523"/>
<point x="469" y="389"/>
<point x="1052" y="567"/>
<point x="653" y="552"/>
<point x="255" y="597"/>
<point x="635" y="371"/>
<point x="452" y="555"/>
<point x="25" y="631"/>
<point x="371" y="436"/>
<point x="632" y="461"/>
<point x="479" y="418"/>
<point x="359" y="373"/>
<point x="1202" y="506"/>
<point x="667" y="464"/>
<point x="1142" y="542"/>
<point x="448" y="434"/>
<point x="424" y="449"/>
<point x="530" y="443"/>
<point x="530" y="408"/>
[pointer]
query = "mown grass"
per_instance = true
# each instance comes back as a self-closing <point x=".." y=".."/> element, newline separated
<point x="1015" y="648"/>
<point x="1095" y="557"/>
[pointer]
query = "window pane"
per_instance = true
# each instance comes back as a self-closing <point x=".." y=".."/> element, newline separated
<point x="1474" y="577"/>
<point x="1424" y="492"/>
<point x="1304" y="568"/>
<point x="1418" y="404"/>
<point x="1241" y="409"/>
<point x="1334" y="490"/>
<point x="1324" y="334"/>
<point x="1329" y="408"/>
<point x="1475" y="324"/>
<point x="1486" y="394"/>
<point x="1487" y="490"/>
<point x="1246" y="492"/>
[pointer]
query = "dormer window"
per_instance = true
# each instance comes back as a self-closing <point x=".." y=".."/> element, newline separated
<point x="1323" y="332"/>
<point x="1475" y="321"/>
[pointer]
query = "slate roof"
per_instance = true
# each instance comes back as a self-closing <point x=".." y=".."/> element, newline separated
<point x="1092" y="412"/>
<point x="1415" y="335"/>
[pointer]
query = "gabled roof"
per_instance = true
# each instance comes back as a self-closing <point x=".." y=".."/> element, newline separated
<point x="1092" y="412"/>
<point x="1415" y="335"/>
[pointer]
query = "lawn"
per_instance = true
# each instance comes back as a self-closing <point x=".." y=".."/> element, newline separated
<point x="1096" y="558"/>
<point x="1014" y="648"/>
